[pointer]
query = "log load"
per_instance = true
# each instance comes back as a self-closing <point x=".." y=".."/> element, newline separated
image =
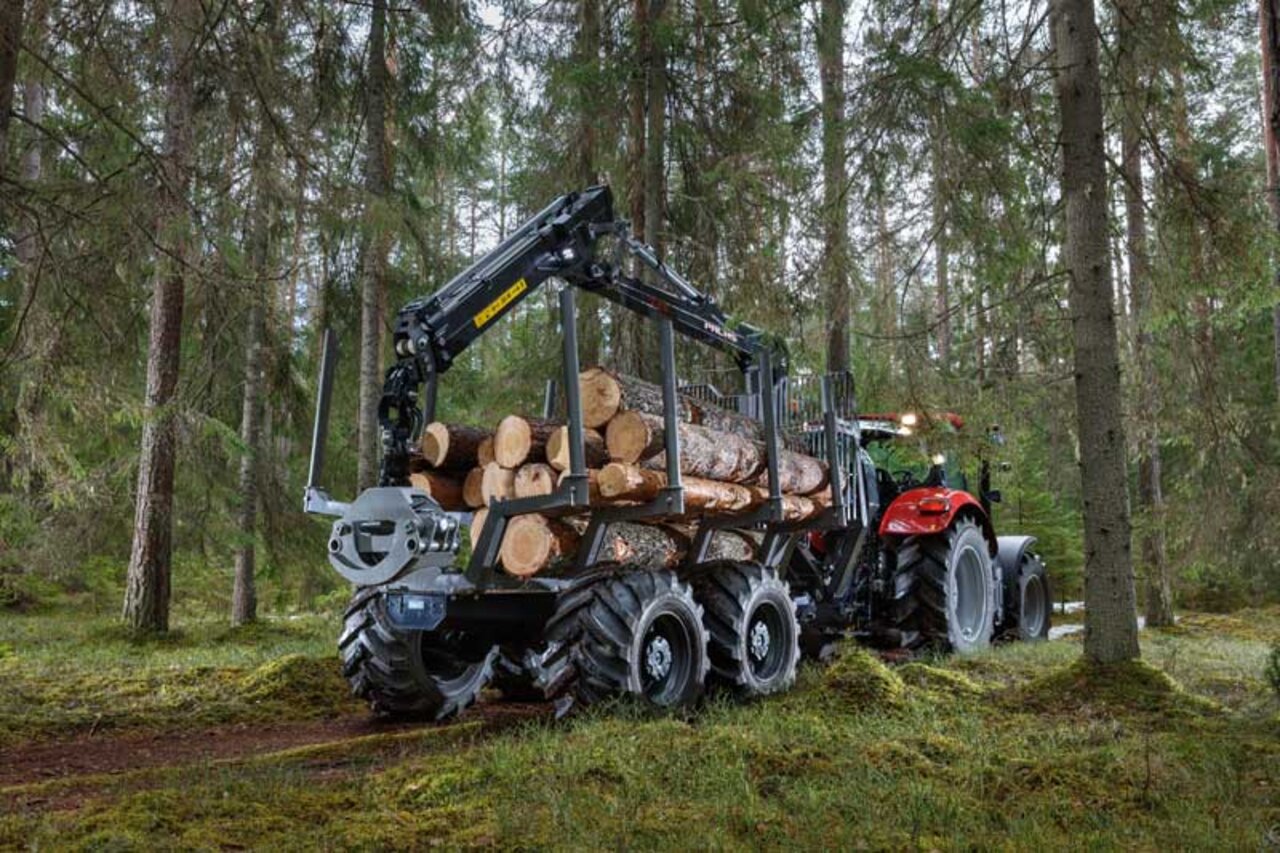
<point x="519" y="440"/>
<point x="451" y="446"/>
<point x="593" y="446"/>
<point x="639" y="437"/>
<point x="622" y="482"/>
<point x="536" y="544"/>
<point x="606" y="393"/>
<point x="472" y="495"/>
<point x="593" y="485"/>
<point x="534" y="480"/>
<point x="444" y="489"/>
<point x="496" y="482"/>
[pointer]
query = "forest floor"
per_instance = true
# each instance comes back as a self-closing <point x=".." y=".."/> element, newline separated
<point x="216" y="738"/>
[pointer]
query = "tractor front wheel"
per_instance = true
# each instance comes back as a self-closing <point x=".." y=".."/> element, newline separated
<point x="944" y="590"/>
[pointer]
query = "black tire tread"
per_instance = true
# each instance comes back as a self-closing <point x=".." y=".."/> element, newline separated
<point x="377" y="662"/>
<point x="725" y="589"/>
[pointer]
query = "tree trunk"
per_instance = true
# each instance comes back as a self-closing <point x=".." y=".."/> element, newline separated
<point x="835" y="207"/>
<point x="146" y="600"/>
<point x="588" y="172"/>
<point x="627" y="337"/>
<point x="40" y="332"/>
<point x="244" y="600"/>
<point x="10" y="39"/>
<point x="1269" y="13"/>
<point x="1111" y="629"/>
<point x="655" y="180"/>
<point x="373" y="276"/>
<point x="1132" y="23"/>
<point x="942" y="282"/>
<point x="453" y="446"/>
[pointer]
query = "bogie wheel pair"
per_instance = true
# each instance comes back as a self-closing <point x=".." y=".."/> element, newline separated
<point x="651" y="636"/>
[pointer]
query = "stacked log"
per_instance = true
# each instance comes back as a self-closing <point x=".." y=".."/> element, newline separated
<point x="451" y="447"/>
<point x="443" y="489"/>
<point x="519" y="440"/>
<point x="534" y="480"/>
<point x="722" y="463"/>
<point x="639" y="437"/>
<point x="593" y="446"/>
<point x="535" y="544"/>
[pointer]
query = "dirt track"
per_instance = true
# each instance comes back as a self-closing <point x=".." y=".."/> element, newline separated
<point x="119" y="752"/>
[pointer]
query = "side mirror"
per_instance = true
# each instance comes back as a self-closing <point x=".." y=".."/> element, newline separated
<point x="993" y="496"/>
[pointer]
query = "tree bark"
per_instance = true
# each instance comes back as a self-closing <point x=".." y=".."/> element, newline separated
<point x="535" y="544"/>
<point x="444" y="488"/>
<point x="835" y="207"/>
<point x="655" y="179"/>
<point x="10" y="39"/>
<point x="1269" y="14"/>
<point x="1111" y="629"/>
<point x="619" y="481"/>
<point x="453" y="446"/>
<point x="606" y="393"/>
<point x="942" y="283"/>
<point x="244" y="599"/>
<point x="1132" y="22"/>
<point x="146" y="600"/>
<point x="373" y="276"/>
<point x="638" y="437"/>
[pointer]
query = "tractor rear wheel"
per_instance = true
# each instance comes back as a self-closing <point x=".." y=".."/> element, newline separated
<point x="944" y="590"/>
<point x="751" y="619"/>
<point x="434" y="674"/>
<point x="638" y="634"/>
<point x="1028" y="615"/>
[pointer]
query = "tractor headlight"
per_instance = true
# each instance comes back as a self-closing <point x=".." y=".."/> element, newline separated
<point x="909" y="419"/>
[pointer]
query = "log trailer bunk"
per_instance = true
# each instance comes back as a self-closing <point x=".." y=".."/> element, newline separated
<point x="423" y="635"/>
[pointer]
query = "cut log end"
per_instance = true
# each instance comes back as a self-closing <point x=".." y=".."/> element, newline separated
<point x="534" y="480"/>
<point x="477" y="526"/>
<point x="472" y="494"/>
<point x="496" y="483"/>
<point x="630" y="439"/>
<point x="601" y="396"/>
<point x="593" y="447"/>
<point x="534" y="542"/>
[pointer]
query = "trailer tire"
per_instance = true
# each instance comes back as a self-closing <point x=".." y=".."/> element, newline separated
<point x="421" y="674"/>
<point x="750" y="618"/>
<point x="944" y="591"/>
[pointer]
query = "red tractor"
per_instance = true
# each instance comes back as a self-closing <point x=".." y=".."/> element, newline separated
<point x="928" y="570"/>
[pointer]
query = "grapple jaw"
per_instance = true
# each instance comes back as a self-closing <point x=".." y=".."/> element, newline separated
<point x="389" y="530"/>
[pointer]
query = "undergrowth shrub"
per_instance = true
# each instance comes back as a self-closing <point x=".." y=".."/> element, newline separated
<point x="1272" y="671"/>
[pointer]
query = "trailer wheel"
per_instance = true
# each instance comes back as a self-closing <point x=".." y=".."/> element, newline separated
<point x="410" y="673"/>
<point x="751" y="620"/>
<point x="637" y="634"/>
<point x="1032" y="615"/>
<point x="944" y="590"/>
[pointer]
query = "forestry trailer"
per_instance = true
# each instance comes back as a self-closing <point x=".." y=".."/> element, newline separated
<point x="857" y="551"/>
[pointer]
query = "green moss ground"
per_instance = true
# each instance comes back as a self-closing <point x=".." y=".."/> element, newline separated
<point x="1021" y="748"/>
